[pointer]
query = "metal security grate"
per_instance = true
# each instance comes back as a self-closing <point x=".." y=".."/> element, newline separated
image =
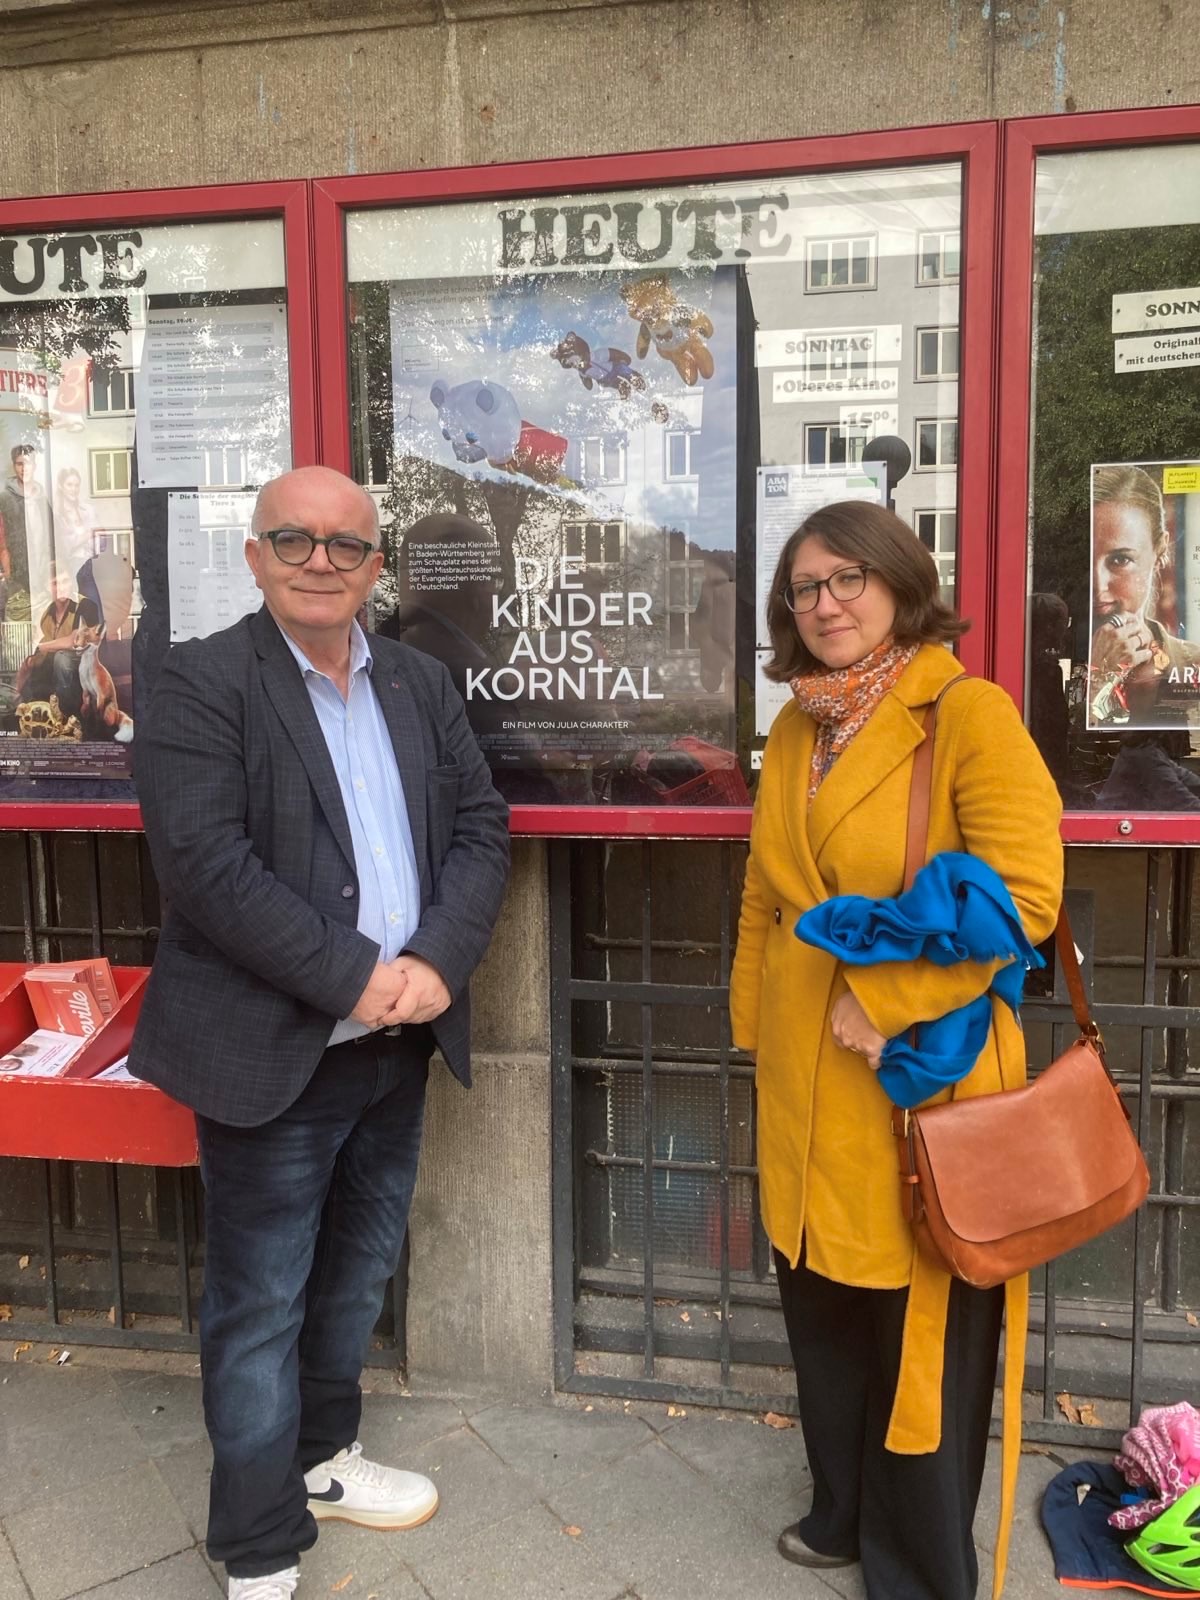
<point x="663" y="1277"/>
<point x="93" y="1253"/>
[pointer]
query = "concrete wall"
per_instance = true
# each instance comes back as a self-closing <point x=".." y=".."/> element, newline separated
<point x="479" y="1303"/>
<point x="112" y="94"/>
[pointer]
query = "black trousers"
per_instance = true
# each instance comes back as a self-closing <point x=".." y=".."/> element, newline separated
<point x="907" y="1518"/>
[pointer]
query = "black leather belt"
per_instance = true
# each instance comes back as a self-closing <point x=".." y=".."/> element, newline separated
<point x="377" y="1033"/>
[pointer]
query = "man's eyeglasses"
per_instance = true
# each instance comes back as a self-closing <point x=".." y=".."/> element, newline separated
<point x="294" y="547"/>
<point x="847" y="583"/>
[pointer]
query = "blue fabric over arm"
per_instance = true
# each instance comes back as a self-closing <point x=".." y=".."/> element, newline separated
<point x="958" y="909"/>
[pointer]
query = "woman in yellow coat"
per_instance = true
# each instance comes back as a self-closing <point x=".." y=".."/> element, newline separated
<point x="895" y="1362"/>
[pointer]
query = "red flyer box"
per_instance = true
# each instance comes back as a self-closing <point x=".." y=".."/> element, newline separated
<point x="111" y="1039"/>
<point x="78" y="1117"/>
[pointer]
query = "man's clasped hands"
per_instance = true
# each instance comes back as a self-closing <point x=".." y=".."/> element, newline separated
<point x="405" y="990"/>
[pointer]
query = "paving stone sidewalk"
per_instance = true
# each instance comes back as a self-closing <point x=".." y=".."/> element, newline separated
<point x="103" y="1493"/>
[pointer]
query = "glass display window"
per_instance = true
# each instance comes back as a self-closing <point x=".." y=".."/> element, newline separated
<point x="146" y="391"/>
<point x="1112" y="619"/>
<point x="592" y="419"/>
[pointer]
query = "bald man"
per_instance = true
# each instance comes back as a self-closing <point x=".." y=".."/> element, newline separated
<point x="333" y="856"/>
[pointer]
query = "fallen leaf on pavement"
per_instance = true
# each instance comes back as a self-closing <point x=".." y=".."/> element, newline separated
<point x="1088" y="1415"/>
<point x="341" y="1584"/>
<point x="1067" y="1406"/>
<point x="1191" y="1316"/>
<point x="572" y="1532"/>
<point x="21" y="1349"/>
<point x="676" y="1411"/>
<point x="774" y="1420"/>
<point x="685" y="1316"/>
<point x="23" y="1262"/>
<point x="5" y="1313"/>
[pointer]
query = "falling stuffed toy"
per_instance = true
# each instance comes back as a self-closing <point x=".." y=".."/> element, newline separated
<point x="601" y="365"/>
<point x="678" y="331"/>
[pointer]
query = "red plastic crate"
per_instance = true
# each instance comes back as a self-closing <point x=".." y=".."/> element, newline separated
<point x="76" y="1118"/>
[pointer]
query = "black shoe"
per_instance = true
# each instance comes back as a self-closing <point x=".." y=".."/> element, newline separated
<point x="793" y="1548"/>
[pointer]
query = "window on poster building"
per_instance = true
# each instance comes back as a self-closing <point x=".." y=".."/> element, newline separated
<point x="1114" y="622"/>
<point x="592" y="422"/>
<point x="143" y="396"/>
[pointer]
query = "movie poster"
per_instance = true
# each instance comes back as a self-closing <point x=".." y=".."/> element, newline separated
<point x="1144" y="655"/>
<point x="67" y="593"/>
<point x="563" y="492"/>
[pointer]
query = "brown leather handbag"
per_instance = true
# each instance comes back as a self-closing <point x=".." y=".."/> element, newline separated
<point x="997" y="1184"/>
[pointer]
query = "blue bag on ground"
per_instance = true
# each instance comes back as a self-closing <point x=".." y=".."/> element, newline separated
<point x="1088" y="1552"/>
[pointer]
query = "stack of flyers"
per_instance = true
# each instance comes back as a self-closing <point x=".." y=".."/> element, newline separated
<point x="45" y="1054"/>
<point x="72" y="996"/>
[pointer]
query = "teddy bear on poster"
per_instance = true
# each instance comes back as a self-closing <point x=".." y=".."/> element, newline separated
<point x="678" y="331"/>
<point x="598" y="364"/>
<point x="480" y="421"/>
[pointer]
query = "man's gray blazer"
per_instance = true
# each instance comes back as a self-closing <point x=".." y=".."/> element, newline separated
<point x="260" y="950"/>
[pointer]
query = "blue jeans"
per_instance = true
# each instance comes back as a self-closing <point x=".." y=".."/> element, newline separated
<point x="305" y="1217"/>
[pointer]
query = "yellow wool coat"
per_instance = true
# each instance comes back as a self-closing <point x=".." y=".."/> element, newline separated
<point x="827" y="1158"/>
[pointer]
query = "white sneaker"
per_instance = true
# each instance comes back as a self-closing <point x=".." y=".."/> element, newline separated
<point x="352" y="1489"/>
<point x="272" y="1586"/>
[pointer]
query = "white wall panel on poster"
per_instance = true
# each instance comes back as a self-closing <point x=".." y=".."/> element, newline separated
<point x="789" y="388"/>
<point x="1151" y="350"/>
<point x="178" y="258"/>
<point x="209" y="583"/>
<point x="1160" y="308"/>
<point x="213" y="383"/>
<point x="784" y="497"/>
<point x="784" y="347"/>
<point x="702" y="225"/>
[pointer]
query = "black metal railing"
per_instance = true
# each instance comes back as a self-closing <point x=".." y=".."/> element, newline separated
<point x="94" y="1253"/>
<point x="663" y="1279"/>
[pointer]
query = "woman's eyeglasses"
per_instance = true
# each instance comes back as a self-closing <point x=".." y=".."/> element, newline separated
<point x="294" y="547"/>
<point x="847" y="583"/>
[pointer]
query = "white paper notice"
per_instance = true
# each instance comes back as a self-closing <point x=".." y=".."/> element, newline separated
<point x="118" y="1073"/>
<point x="210" y="583"/>
<point x="44" y="1054"/>
<point x="785" y="496"/>
<point x="1151" y="350"/>
<point x="213" y="397"/>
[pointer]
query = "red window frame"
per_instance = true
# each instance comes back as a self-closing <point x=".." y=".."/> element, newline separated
<point x="976" y="145"/>
<point x="1024" y="140"/>
<point x="314" y="244"/>
<point x="290" y="201"/>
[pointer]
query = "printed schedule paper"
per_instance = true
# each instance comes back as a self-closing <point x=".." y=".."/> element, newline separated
<point x="210" y="584"/>
<point x="213" y="397"/>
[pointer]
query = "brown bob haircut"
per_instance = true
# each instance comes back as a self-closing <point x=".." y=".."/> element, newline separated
<point x="865" y="533"/>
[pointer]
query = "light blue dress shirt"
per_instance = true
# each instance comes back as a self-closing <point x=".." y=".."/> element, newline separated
<point x="360" y="747"/>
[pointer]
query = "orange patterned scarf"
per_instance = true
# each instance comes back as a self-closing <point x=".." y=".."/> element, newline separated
<point x="842" y="699"/>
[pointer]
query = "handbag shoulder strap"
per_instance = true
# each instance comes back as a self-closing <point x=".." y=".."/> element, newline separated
<point x="917" y="847"/>
<point x="1068" y="963"/>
